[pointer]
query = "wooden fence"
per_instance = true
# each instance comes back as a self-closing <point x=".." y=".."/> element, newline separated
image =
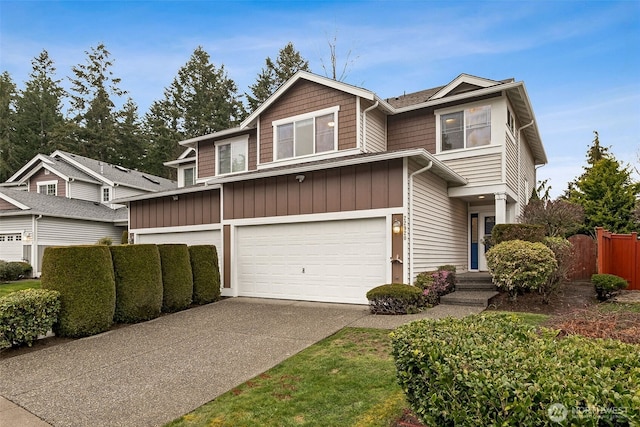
<point x="619" y="254"/>
<point x="584" y="258"/>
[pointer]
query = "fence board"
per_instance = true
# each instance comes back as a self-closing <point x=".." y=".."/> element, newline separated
<point x="619" y="254"/>
<point x="584" y="257"/>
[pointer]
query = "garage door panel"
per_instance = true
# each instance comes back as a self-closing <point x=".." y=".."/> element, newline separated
<point x="337" y="261"/>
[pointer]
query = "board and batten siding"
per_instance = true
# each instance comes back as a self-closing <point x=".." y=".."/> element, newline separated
<point x="65" y="231"/>
<point x="84" y="191"/>
<point x="439" y="225"/>
<point x="480" y="169"/>
<point x="198" y="208"/>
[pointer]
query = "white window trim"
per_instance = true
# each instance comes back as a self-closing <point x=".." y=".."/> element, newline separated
<point x="184" y="172"/>
<point x="47" y="183"/>
<point x="463" y="108"/>
<point x="216" y="144"/>
<point x="311" y="115"/>
<point x="102" y="200"/>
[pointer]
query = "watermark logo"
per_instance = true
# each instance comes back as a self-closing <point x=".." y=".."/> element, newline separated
<point x="557" y="412"/>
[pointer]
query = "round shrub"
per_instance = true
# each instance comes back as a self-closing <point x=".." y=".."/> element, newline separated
<point x="562" y="250"/>
<point x="14" y="270"/>
<point x="517" y="265"/>
<point x="138" y="279"/>
<point x="177" y="278"/>
<point x="26" y="314"/>
<point x="395" y="298"/>
<point x="206" y="273"/>
<point x="607" y="285"/>
<point x="493" y="370"/>
<point x="84" y="277"/>
<point x="124" y="238"/>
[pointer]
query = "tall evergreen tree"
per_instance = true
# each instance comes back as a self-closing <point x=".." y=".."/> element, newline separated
<point x="9" y="150"/>
<point x="129" y="140"/>
<point x="273" y="75"/>
<point x="93" y="85"/>
<point x="606" y="192"/>
<point x="39" y="118"/>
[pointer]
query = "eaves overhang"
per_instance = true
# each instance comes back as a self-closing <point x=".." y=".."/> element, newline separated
<point x="175" y="192"/>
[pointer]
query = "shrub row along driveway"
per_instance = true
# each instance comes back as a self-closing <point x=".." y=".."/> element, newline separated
<point x="150" y="373"/>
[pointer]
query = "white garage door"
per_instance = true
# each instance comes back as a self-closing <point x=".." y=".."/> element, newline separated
<point x="334" y="261"/>
<point x="11" y="247"/>
<point x="208" y="237"/>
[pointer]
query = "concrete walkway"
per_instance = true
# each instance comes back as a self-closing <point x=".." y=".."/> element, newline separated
<point x="151" y="373"/>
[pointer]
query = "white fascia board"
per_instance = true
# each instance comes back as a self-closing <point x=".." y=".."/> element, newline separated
<point x="14" y="202"/>
<point x="30" y="163"/>
<point x="464" y="78"/>
<point x="157" y="194"/>
<point x="522" y="90"/>
<point x="186" y="152"/>
<point x="178" y="162"/>
<point x="226" y="132"/>
<point x="83" y="168"/>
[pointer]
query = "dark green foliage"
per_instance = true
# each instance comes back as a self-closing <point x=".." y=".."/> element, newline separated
<point x="124" y="240"/>
<point x="14" y="270"/>
<point x="527" y="232"/>
<point x="497" y="371"/>
<point x="26" y="314"/>
<point x="138" y="277"/>
<point x="84" y="277"/>
<point x="177" y="278"/>
<point x="607" y="285"/>
<point x="206" y="273"/>
<point x="563" y="251"/>
<point x="10" y="149"/>
<point x="395" y="298"/>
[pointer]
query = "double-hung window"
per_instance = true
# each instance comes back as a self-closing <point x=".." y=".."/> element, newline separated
<point x="50" y="188"/>
<point x="189" y="176"/>
<point x="231" y="155"/>
<point x="465" y="129"/>
<point x="106" y="194"/>
<point x="307" y="134"/>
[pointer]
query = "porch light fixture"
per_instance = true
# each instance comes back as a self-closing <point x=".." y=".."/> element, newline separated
<point x="300" y="178"/>
<point x="480" y="197"/>
<point x="396" y="227"/>
<point x="331" y="124"/>
<point x="174" y="198"/>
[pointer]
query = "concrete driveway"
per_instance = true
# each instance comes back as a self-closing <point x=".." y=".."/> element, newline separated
<point x="151" y="373"/>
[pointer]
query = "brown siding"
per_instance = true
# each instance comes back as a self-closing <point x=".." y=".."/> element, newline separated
<point x="415" y="129"/>
<point x="190" y="209"/>
<point x="306" y="97"/>
<point x="40" y="176"/>
<point x="253" y="151"/>
<point x="206" y="159"/>
<point x="5" y="206"/>
<point x="369" y="186"/>
<point x="397" y="251"/>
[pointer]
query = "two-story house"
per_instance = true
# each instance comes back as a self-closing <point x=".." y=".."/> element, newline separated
<point x="327" y="190"/>
<point x="66" y="199"/>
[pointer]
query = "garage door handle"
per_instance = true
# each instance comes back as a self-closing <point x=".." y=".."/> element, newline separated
<point x="396" y="259"/>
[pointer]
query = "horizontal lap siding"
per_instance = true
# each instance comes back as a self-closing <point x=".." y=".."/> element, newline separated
<point x="528" y="172"/>
<point x="370" y="186"/>
<point x="64" y="231"/>
<point x="376" y="131"/>
<point x="41" y="177"/>
<point x="512" y="163"/>
<point x="439" y="224"/>
<point x="190" y="209"/>
<point x="416" y="129"/>
<point x="305" y="97"/>
<point x="15" y="224"/>
<point x="85" y="191"/>
<point x="485" y="169"/>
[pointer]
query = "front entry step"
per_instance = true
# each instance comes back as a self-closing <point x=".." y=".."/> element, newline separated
<point x="475" y="298"/>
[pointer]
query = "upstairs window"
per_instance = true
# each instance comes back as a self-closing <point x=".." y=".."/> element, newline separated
<point x="48" y="188"/>
<point x="106" y="194"/>
<point x="231" y="156"/>
<point x="189" y="176"/>
<point x="466" y="129"/>
<point x="306" y="135"/>
<point x="511" y="122"/>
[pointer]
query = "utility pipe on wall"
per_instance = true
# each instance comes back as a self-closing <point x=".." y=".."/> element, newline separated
<point x="364" y="126"/>
<point x="411" y="261"/>
<point x="519" y="210"/>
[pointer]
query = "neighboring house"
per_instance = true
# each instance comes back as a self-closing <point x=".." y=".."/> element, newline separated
<point x="327" y="190"/>
<point x="66" y="199"/>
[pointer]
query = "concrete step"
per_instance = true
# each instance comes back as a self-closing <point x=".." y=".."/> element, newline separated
<point x="473" y="277"/>
<point x="475" y="286"/>
<point x="474" y="298"/>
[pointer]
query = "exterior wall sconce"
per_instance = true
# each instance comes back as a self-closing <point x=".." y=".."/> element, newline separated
<point x="300" y="178"/>
<point x="174" y="198"/>
<point x="396" y="227"/>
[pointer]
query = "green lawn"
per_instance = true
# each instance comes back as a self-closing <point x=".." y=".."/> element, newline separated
<point x="7" y="288"/>
<point x="347" y="379"/>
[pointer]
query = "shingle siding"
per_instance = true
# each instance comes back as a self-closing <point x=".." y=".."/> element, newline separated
<point x="415" y="129"/>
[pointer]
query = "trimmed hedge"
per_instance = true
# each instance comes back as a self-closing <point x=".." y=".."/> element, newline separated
<point x="25" y="314"/>
<point x="177" y="278"/>
<point x="607" y="285"/>
<point x="395" y="298"/>
<point x="495" y="370"/>
<point x="124" y="239"/>
<point x="206" y="273"/>
<point x="138" y="277"/>
<point x="14" y="270"/>
<point x="84" y="277"/>
<point x="527" y="232"/>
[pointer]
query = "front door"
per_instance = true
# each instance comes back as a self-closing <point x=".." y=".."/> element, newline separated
<point x="480" y="229"/>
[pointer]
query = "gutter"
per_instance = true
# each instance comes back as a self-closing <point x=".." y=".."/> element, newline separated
<point x="419" y="171"/>
<point x="364" y="125"/>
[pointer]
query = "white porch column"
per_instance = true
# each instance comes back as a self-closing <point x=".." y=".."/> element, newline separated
<point x="501" y="208"/>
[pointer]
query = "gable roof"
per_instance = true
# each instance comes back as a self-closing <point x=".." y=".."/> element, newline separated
<point x="30" y="203"/>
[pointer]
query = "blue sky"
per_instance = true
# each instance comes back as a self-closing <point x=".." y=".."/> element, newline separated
<point x="580" y="60"/>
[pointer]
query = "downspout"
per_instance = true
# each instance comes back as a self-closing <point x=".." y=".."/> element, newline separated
<point x="519" y="210"/>
<point x="35" y="262"/>
<point x="419" y="171"/>
<point x="364" y="126"/>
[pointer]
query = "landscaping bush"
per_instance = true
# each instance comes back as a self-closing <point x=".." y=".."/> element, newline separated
<point x="562" y="250"/>
<point x="496" y="371"/>
<point x="517" y="265"/>
<point x="435" y="284"/>
<point x="14" y="270"/>
<point x="607" y="285"/>
<point x="124" y="239"/>
<point x="107" y="241"/>
<point x="527" y="232"/>
<point x="84" y="277"/>
<point x="177" y="278"/>
<point x="206" y="273"/>
<point x="26" y="314"/>
<point x="395" y="298"/>
<point x="138" y="279"/>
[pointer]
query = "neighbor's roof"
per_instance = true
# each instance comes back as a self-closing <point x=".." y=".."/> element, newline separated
<point x="31" y="203"/>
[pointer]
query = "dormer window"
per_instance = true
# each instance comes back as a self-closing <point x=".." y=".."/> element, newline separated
<point x="106" y="194"/>
<point x="189" y="176"/>
<point x="231" y="155"/>
<point x="306" y="134"/>
<point x="465" y="129"/>
<point x="50" y="188"/>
